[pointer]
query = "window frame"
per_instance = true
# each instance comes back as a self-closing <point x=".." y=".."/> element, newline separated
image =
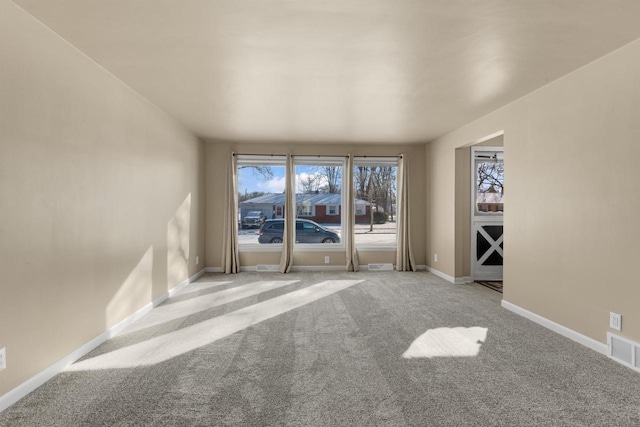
<point x="319" y="161"/>
<point x="393" y="161"/>
<point x="484" y="155"/>
<point x="257" y="160"/>
<point x="337" y="208"/>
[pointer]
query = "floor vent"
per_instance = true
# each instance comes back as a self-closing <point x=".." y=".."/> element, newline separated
<point x="624" y="351"/>
<point x="267" y="267"/>
<point x="380" y="267"/>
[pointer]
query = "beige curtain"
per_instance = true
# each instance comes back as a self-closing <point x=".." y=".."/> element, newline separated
<point x="404" y="255"/>
<point x="350" y="219"/>
<point x="230" y="259"/>
<point x="286" y="259"/>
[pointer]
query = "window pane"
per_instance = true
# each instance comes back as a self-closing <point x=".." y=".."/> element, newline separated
<point x="318" y="200"/>
<point x="489" y="187"/>
<point x="375" y="204"/>
<point x="260" y="202"/>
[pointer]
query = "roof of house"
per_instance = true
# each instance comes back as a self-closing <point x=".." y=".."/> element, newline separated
<point x="312" y="199"/>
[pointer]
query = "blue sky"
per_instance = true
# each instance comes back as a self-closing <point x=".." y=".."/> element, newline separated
<point x="249" y="180"/>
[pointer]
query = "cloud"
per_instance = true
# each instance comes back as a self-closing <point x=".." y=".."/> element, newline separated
<point x="274" y="185"/>
<point x="318" y="177"/>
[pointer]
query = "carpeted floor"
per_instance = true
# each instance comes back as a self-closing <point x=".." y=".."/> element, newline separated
<point x="332" y="348"/>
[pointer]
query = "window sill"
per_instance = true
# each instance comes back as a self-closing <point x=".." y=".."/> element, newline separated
<point x="372" y="248"/>
<point x="267" y="247"/>
<point x="319" y="247"/>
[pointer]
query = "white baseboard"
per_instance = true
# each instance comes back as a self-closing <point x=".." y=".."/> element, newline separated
<point x="455" y="280"/>
<point x="319" y="268"/>
<point x="198" y="275"/>
<point x="36" y="381"/>
<point x="440" y="274"/>
<point x="213" y="270"/>
<point x="299" y="268"/>
<point x="555" y="327"/>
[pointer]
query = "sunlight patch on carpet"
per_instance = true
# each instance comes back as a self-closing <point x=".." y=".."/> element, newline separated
<point x="177" y="310"/>
<point x="447" y="342"/>
<point x="162" y="348"/>
<point x="199" y="286"/>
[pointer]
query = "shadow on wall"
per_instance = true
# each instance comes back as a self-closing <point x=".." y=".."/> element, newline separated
<point x="178" y="244"/>
<point x="137" y="289"/>
<point x="134" y="293"/>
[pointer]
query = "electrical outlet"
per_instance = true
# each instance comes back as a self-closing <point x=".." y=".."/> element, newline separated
<point x="327" y="260"/>
<point x="615" y="321"/>
<point x="3" y="358"/>
<point x="197" y="260"/>
<point x="435" y="257"/>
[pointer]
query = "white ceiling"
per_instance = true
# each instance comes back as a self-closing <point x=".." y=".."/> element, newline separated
<point x="364" y="71"/>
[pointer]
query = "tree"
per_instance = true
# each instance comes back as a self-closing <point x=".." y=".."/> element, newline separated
<point x="377" y="184"/>
<point x="490" y="177"/>
<point x="263" y="171"/>
<point x="332" y="175"/>
<point x="309" y="183"/>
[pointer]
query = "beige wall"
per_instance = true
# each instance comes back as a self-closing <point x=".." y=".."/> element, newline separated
<point x="217" y="157"/>
<point x="571" y="209"/>
<point x="101" y="206"/>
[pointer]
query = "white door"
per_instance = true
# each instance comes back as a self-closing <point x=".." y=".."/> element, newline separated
<point x="487" y="209"/>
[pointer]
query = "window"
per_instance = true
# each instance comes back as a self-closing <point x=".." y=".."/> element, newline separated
<point x="261" y="183"/>
<point x="374" y="184"/>
<point x="305" y="209"/>
<point x="318" y="182"/>
<point x="489" y="188"/>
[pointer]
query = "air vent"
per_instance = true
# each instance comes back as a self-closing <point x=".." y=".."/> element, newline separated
<point x="265" y="267"/>
<point x="380" y="267"/>
<point x="624" y="351"/>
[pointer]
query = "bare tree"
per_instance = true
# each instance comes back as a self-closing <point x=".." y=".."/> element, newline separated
<point x="377" y="184"/>
<point x="490" y="177"/>
<point x="262" y="171"/>
<point x="332" y="174"/>
<point x="310" y="183"/>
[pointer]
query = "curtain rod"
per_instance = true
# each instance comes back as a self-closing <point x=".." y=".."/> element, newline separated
<point x="374" y="157"/>
<point x="313" y="155"/>
<point x="267" y="155"/>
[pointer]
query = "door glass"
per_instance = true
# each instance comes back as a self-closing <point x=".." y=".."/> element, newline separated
<point x="489" y="186"/>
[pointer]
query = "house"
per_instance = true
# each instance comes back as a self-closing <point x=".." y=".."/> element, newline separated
<point x="119" y="121"/>
<point x="323" y="208"/>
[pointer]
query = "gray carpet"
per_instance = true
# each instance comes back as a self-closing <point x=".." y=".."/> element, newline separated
<point x="332" y="348"/>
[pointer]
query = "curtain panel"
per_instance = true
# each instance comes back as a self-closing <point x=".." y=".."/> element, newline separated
<point x="230" y="258"/>
<point x="288" y="237"/>
<point x="350" y="218"/>
<point x="404" y="254"/>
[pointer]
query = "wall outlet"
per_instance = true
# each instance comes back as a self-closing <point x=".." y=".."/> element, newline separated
<point x="327" y="260"/>
<point x="435" y="257"/>
<point x="3" y="358"/>
<point x="197" y="260"/>
<point x="615" y="321"/>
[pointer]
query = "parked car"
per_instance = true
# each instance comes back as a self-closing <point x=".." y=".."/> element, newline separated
<point x="254" y="219"/>
<point x="306" y="232"/>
